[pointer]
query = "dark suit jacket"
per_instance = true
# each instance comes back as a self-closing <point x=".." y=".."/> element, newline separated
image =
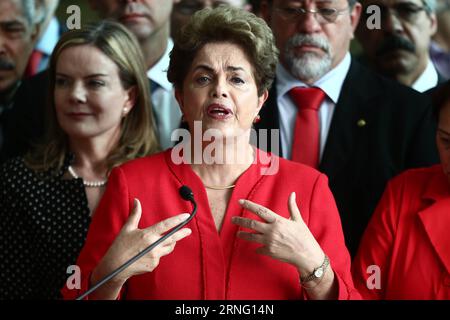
<point x="24" y="123"/>
<point x="359" y="159"/>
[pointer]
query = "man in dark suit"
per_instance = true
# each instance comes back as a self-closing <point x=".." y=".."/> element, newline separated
<point x="369" y="128"/>
<point x="399" y="47"/>
<point x="18" y="31"/>
<point x="26" y="119"/>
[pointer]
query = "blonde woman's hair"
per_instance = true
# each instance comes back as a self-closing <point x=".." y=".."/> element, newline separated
<point x="137" y="136"/>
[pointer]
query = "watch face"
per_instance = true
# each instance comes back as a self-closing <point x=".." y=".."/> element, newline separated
<point x="318" y="273"/>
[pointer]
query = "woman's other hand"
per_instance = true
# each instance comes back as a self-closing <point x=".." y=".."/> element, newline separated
<point x="287" y="240"/>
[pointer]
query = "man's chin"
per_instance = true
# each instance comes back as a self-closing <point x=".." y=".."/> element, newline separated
<point x="139" y="29"/>
<point x="395" y="66"/>
<point x="308" y="55"/>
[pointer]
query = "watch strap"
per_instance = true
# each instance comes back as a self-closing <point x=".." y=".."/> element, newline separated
<point x="318" y="272"/>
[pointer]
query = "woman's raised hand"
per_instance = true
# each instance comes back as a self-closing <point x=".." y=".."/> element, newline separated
<point x="287" y="240"/>
<point x="131" y="240"/>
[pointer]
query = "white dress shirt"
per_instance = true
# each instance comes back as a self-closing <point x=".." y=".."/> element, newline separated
<point x="48" y="42"/>
<point x="427" y="80"/>
<point x="330" y="83"/>
<point x="165" y="105"/>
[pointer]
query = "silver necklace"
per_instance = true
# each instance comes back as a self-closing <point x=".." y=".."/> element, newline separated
<point x="89" y="184"/>
<point x="220" y="187"/>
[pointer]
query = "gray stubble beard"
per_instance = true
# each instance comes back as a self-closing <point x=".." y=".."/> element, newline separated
<point x="310" y="66"/>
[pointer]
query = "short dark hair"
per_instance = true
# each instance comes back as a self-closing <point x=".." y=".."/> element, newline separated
<point x="221" y="24"/>
<point x="440" y="96"/>
<point x="351" y="3"/>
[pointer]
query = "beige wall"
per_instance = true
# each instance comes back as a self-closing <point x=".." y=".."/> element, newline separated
<point x="87" y="15"/>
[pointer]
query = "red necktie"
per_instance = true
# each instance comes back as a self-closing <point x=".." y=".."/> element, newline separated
<point x="305" y="147"/>
<point x="33" y="63"/>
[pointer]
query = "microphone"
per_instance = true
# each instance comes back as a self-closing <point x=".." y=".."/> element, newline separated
<point x="187" y="194"/>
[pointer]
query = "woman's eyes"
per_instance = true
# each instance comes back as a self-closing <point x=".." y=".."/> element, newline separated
<point x="205" y="80"/>
<point x="96" y="83"/>
<point x="237" y="80"/>
<point x="61" y="82"/>
<point x="202" y="80"/>
<point x="445" y="141"/>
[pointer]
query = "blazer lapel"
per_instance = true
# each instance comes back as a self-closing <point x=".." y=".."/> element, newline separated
<point x="436" y="218"/>
<point x="350" y="119"/>
<point x="270" y="120"/>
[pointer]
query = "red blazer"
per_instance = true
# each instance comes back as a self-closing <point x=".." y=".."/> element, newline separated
<point x="208" y="264"/>
<point x="409" y="239"/>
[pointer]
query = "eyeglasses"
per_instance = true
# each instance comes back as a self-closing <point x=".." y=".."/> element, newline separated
<point x="405" y="11"/>
<point x="322" y="15"/>
<point x="190" y="7"/>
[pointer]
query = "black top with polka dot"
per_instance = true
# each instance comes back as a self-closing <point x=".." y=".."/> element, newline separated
<point x="43" y="225"/>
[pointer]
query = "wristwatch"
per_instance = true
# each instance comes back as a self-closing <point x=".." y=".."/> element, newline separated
<point x="318" y="272"/>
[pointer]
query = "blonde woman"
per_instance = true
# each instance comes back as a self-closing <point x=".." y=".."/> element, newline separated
<point x="99" y="116"/>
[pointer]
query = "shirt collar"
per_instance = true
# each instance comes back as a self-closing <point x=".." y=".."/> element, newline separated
<point x="49" y="38"/>
<point x="427" y="80"/>
<point x="331" y="83"/>
<point x="158" y="73"/>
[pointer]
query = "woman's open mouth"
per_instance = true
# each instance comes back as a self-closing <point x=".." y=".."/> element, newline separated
<point x="219" y="112"/>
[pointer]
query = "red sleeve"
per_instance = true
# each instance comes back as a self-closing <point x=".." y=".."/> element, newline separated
<point x="111" y="214"/>
<point x="376" y="244"/>
<point x="325" y="225"/>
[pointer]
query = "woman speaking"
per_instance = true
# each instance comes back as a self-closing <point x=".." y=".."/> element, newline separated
<point x="259" y="233"/>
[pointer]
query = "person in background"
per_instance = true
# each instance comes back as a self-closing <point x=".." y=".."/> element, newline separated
<point x="50" y="31"/>
<point x="264" y="230"/>
<point x="399" y="49"/>
<point x="18" y="31"/>
<point x="149" y="21"/>
<point x="98" y="118"/>
<point x="255" y="7"/>
<point x="440" y="43"/>
<point x="334" y="114"/>
<point x="407" y="237"/>
<point x="184" y="9"/>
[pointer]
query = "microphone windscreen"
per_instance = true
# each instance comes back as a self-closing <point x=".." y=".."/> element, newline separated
<point x="186" y="193"/>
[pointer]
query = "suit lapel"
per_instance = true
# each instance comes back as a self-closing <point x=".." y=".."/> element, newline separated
<point x="270" y="120"/>
<point x="436" y="218"/>
<point x="351" y="118"/>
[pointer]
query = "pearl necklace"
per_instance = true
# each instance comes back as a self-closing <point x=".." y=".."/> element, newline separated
<point x="89" y="184"/>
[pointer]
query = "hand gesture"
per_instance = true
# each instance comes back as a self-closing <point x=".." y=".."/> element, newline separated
<point x="132" y="240"/>
<point x="287" y="240"/>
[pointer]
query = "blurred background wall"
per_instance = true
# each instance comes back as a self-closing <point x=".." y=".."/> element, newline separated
<point x="87" y="15"/>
